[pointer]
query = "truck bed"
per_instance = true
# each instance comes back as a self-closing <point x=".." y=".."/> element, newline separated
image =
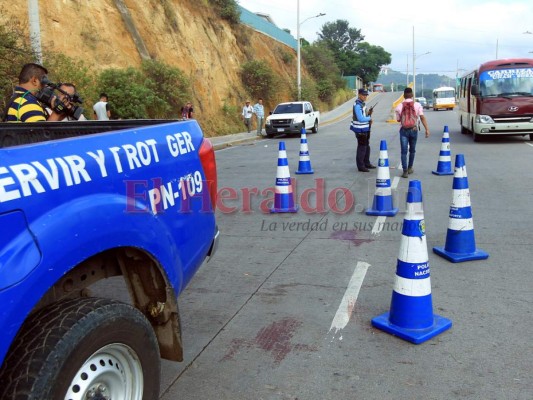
<point x="15" y="134"/>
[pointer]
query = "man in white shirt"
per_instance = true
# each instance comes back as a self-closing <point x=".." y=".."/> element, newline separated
<point x="247" y="113"/>
<point x="101" y="109"/>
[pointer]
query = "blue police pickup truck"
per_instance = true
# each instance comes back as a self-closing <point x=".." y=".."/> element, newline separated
<point x="81" y="202"/>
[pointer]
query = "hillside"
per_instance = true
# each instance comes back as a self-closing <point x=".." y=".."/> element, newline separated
<point x="185" y="34"/>
<point x="425" y="83"/>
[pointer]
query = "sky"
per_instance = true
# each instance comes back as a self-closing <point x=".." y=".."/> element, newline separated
<point x="457" y="35"/>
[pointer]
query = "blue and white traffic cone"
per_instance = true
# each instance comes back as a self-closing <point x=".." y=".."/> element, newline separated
<point x="304" y="165"/>
<point x="460" y="241"/>
<point x="411" y="312"/>
<point x="382" y="204"/>
<point x="283" y="196"/>
<point x="444" y="166"/>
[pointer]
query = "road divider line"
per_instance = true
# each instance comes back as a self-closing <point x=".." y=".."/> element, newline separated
<point x="378" y="226"/>
<point x="344" y="312"/>
<point x="529" y="144"/>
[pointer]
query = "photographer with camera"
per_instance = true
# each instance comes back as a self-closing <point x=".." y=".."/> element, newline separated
<point x="65" y="107"/>
<point x="25" y="104"/>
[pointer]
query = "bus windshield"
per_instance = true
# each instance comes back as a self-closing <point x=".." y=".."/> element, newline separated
<point x="443" y="94"/>
<point x="506" y="82"/>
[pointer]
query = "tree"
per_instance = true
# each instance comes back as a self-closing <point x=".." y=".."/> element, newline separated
<point x="352" y="55"/>
<point x="128" y="95"/>
<point x="170" y="83"/>
<point x="320" y="62"/>
<point x="15" y="51"/>
<point x="259" y="79"/>
<point x="339" y="36"/>
<point x="367" y="62"/>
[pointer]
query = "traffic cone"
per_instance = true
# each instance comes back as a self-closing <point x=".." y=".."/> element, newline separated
<point x="411" y="312"/>
<point x="460" y="241"/>
<point x="444" y="166"/>
<point x="382" y="204"/>
<point x="304" y="166"/>
<point x="283" y="196"/>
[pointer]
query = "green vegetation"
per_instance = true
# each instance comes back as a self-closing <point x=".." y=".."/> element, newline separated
<point x="259" y="79"/>
<point x="13" y="52"/>
<point x="228" y="10"/>
<point x="320" y="62"/>
<point x="285" y="56"/>
<point x="425" y="83"/>
<point x="351" y="54"/>
<point x="155" y="91"/>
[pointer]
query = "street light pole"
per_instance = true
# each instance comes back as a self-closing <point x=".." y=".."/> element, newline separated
<point x="299" y="79"/>
<point x="35" y="29"/>
<point x="414" y="64"/>
<point x="298" y="50"/>
<point x="414" y="68"/>
<point x="407" y="73"/>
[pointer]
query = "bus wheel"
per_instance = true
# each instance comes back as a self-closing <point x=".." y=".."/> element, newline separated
<point x="476" y="137"/>
<point x="531" y="136"/>
<point x="464" y="131"/>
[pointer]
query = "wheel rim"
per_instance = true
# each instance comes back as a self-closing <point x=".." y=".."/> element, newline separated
<point x="113" y="372"/>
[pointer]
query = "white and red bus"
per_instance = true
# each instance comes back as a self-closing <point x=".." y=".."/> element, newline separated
<point x="444" y="98"/>
<point x="497" y="99"/>
<point x="378" y="87"/>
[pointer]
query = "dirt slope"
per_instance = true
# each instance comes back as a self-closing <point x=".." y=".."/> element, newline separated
<point x="182" y="33"/>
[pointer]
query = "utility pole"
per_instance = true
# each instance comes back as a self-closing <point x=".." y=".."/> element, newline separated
<point x="35" y="29"/>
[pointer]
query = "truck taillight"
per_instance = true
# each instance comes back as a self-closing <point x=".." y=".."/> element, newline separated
<point x="207" y="158"/>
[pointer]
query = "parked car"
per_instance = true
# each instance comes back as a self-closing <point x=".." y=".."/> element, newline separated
<point x="292" y="117"/>
<point x="423" y="102"/>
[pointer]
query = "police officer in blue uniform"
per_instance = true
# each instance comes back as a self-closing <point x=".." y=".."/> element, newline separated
<point x="361" y="123"/>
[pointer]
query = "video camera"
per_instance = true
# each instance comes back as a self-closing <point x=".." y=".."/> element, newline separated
<point x="46" y="96"/>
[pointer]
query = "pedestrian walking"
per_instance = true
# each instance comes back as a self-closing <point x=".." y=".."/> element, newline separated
<point x="408" y="113"/>
<point x="259" y="112"/>
<point x="247" y="113"/>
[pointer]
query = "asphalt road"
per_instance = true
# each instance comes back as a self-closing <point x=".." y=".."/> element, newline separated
<point x="283" y="310"/>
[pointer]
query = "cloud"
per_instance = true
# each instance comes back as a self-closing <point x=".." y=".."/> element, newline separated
<point x="460" y="35"/>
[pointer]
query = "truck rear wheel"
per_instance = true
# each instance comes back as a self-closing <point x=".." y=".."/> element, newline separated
<point x="315" y="127"/>
<point x="83" y="348"/>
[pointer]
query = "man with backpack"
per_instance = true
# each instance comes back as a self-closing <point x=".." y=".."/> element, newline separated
<point x="407" y="113"/>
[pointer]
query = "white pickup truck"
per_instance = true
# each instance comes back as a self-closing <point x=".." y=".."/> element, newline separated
<point x="291" y="118"/>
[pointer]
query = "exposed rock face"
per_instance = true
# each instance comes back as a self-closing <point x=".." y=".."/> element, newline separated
<point x="182" y="33"/>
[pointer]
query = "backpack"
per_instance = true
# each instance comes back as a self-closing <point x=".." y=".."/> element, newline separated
<point x="408" y="117"/>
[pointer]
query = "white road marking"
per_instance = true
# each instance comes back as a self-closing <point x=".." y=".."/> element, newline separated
<point x="344" y="312"/>
<point x="529" y="144"/>
<point x="394" y="183"/>
<point x="378" y="225"/>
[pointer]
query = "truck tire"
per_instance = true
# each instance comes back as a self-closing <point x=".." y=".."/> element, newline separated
<point x="315" y="127"/>
<point x="83" y="348"/>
